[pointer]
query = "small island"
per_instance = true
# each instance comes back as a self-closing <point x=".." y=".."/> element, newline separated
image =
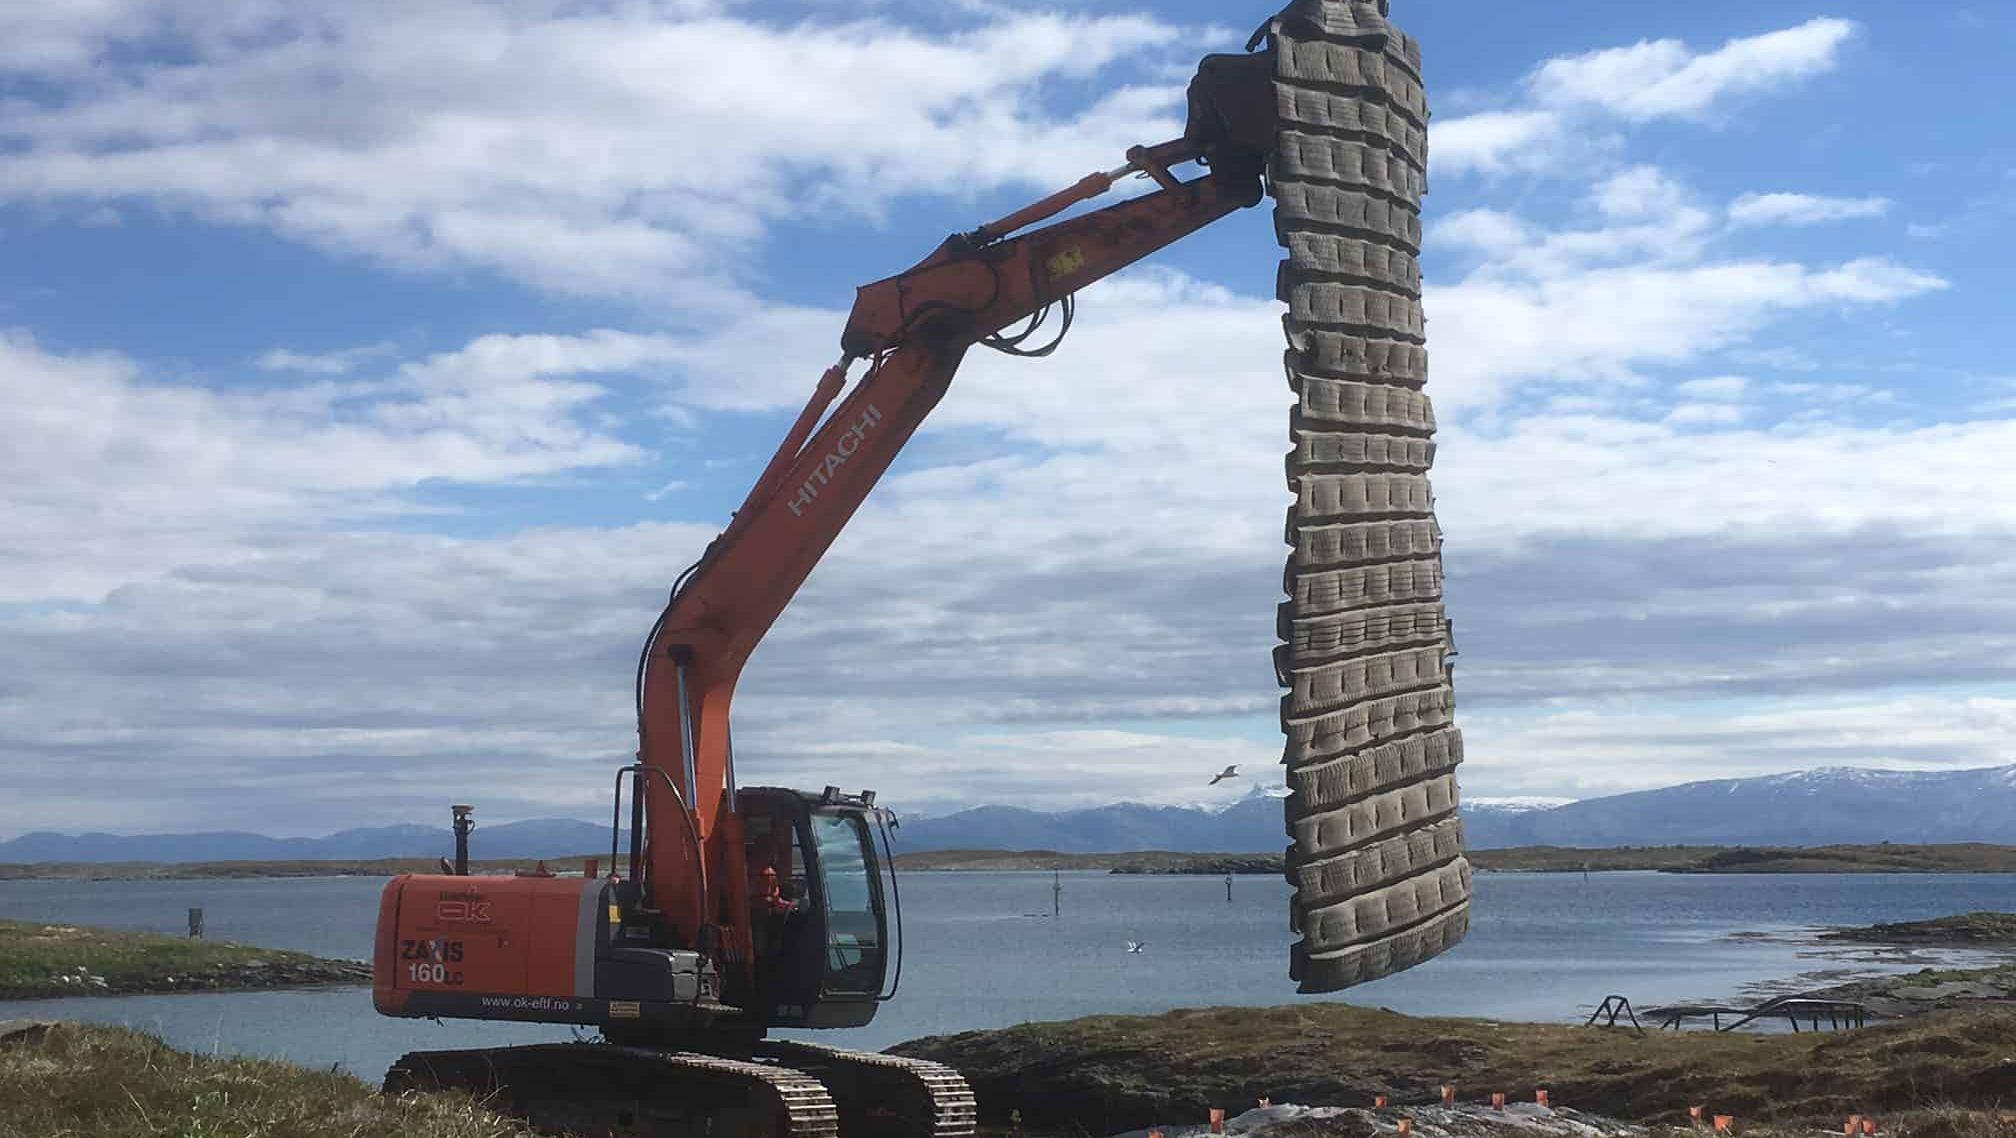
<point x="42" y="961"/>
<point x="1979" y="929"/>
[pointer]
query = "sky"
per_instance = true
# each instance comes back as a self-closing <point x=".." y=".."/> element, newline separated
<point x="370" y="370"/>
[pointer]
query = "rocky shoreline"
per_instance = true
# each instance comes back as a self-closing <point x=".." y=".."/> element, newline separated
<point x="1115" y="1074"/>
<point x="1979" y="929"/>
<point x="249" y="976"/>
<point x="45" y="961"/>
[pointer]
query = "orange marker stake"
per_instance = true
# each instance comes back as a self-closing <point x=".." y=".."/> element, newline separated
<point x="1497" y="1100"/>
<point x="1723" y="1122"/>
<point x="1217" y="1120"/>
<point x="1868" y="1126"/>
<point x="1448" y="1095"/>
<point x="1694" y="1112"/>
<point x="1853" y="1126"/>
<point x="1379" y="1102"/>
<point x="1540" y="1097"/>
<point x="1406" y="1127"/>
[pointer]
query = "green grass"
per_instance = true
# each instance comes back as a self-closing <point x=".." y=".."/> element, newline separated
<point x="1107" y="1074"/>
<point x="1933" y="977"/>
<point x="41" y="960"/>
<point x="97" y="1082"/>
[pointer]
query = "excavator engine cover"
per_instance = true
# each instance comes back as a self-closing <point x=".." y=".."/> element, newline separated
<point x="1381" y="883"/>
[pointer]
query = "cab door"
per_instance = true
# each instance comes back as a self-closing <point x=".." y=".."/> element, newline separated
<point x="854" y="923"/>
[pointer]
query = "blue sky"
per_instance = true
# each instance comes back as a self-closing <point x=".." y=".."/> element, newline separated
<point x="371" y="374"/>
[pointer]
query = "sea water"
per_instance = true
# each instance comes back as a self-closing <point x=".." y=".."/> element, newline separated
<point x="985" y="951"/>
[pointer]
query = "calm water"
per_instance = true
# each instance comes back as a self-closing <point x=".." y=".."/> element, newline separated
<point x="984" y="952"/>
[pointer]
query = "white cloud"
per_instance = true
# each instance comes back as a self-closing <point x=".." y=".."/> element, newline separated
<point x="1824" y="478"/>
<point x="341" y="362"/>
<point x="1666" y="79"/>
<point x="1561" y="124"/>
<point x="1117" y="561"/>
<point x="1704" y="415"/>
<point x="588" y="150"/>
<point x="113" y="477"/>
<point x="1495" y="142"/>
<point x="1079" y="542"/>
<point x="1640" y="192"/>
<point x="1802" y="209"/>
<point x="1500" y="328"/>
<point x="1488" y="231"/>
<point x="1722" y="388"/>
<point x="1623" y="749"/>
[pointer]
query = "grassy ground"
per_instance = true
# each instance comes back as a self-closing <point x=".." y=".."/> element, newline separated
<point x="97" y="1082"/>
<point x="1943" y="1077"/>
<point x="38" y="960"/>
<point x="1108" y="1074"/>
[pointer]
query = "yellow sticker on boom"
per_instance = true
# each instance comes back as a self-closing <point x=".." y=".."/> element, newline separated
<point x="1065" y="263"/>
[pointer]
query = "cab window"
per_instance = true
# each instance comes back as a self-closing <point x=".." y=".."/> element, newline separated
<point x="854" y="950"/>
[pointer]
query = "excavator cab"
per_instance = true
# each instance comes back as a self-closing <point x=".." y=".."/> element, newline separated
<point x="825" y="923"/>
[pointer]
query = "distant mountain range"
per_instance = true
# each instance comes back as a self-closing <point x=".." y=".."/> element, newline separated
<point x="537" y="837"/>
<point x="1805" y="808"/>
<point x="1817" y="807"/>
<point x="1251" y="825"/>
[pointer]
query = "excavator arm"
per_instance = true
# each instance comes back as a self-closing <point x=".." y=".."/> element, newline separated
<point x="913" y="330"/>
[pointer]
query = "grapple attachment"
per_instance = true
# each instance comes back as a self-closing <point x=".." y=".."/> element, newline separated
<point x="1232" y="120"/>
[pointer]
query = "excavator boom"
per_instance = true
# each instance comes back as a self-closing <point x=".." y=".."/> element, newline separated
<point x="914" y="329"/>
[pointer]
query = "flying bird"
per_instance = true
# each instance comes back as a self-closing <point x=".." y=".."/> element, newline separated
<point x="1136" y="945"/>
<point x="1229" y="772"/>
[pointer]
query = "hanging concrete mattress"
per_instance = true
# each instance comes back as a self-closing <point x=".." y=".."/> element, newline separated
<point x="1377" y="862"/>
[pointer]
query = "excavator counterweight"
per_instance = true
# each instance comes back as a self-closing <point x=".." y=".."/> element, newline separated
<point x="742" y="909"/>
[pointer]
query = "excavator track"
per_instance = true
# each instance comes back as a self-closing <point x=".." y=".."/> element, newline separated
<point x="1376" y="858"/>
<point x="885" y="1096"/>
<point x="595" y="1090"/>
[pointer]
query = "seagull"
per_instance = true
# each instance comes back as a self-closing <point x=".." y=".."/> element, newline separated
<point x="1136" y="945"/>
<point x="1229" y="772"/>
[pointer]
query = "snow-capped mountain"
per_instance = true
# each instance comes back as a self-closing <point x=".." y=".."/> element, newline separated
<point x="1825" y="806"/>
<point x="1804" y="808"/>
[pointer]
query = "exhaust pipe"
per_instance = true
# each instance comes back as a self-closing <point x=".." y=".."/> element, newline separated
<point x="463" y="824"/>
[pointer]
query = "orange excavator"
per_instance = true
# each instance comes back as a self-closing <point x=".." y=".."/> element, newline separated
<point x="740" y="909"/>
